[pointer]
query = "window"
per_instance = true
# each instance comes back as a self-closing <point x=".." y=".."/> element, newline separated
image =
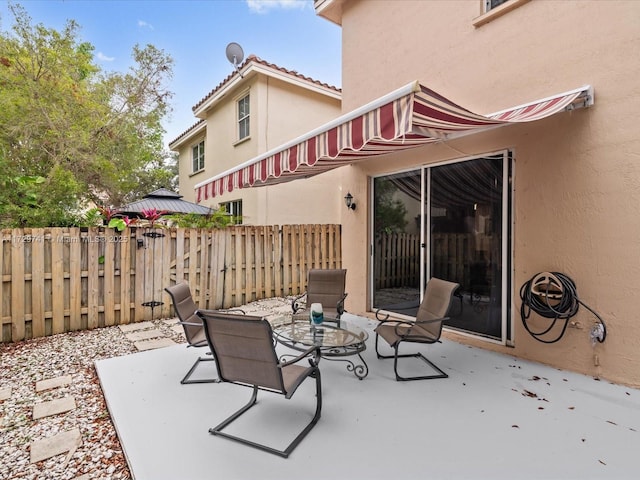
<point x="496" y="8"/>
<point x="490" y="4"/>
<point x="197" y="157"/>
<point x="243" y="117"/>
<point x="234" y="209"/>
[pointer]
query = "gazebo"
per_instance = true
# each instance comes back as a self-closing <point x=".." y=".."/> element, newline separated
<point x="163" y="200"/>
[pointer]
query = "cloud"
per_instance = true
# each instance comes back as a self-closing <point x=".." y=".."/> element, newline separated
<point x="263" y="6"/>
<point x="104" y="58"/>
<point x="143" y="24"/>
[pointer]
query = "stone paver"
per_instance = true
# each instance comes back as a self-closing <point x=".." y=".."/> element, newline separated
<point x="53" y="407"/>
<point x="132" y="327"/>
<point x="179" y="329"/>
<point x="55" y="445"/>
<point x="50" y="383"/>
<point x="144" y="335"/>
<point x="154" y="343"/>
<point x="5" y="392"/>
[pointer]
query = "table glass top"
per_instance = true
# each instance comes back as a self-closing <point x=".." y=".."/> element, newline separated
<point x="296" y="329"/>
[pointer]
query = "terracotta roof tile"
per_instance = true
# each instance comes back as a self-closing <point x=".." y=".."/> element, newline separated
<point x="255" y="59"/>
<point x="187" y="131"/>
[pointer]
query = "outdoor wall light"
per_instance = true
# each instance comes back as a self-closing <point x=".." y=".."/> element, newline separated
<point x="348" y="200"/>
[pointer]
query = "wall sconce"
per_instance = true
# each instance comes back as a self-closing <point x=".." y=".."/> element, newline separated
<point x="348" y="200"/>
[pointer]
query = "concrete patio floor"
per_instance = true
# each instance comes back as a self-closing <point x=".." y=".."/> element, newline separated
<point x="495" y="417"/>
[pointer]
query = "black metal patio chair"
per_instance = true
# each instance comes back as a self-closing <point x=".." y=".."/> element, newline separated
<point x="185" y="309"/>
<point x="327" y="287"/>
<point x="426" y="329"/>
<point x="245" y="355"/>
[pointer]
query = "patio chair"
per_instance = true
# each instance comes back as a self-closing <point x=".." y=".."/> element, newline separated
<point x="245" y="355"/>
<point x="185" y="309"/>
<point x="426" y="328"/>
<point x="324" y="286"/>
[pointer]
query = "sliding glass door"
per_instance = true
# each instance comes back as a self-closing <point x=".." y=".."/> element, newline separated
<point x="449" y="221"/>
<point x="397" y="242"/>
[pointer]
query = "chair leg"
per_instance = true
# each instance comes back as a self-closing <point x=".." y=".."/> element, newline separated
<point x="314" y="420"/>
<point x="186" y="381"/>
<point x="396" y="356"/>
<point x="282" y="453"/>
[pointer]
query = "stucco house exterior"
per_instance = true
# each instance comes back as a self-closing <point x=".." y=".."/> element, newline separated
<point x="250" y="112"/>
<point x="494" y="141"/>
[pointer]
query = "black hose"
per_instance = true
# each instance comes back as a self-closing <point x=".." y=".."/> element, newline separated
<point x="563" y="305"/>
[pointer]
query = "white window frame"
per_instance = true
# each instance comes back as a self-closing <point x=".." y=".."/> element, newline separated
<point x="244" y="116"/>
<point x="197" y="157"/>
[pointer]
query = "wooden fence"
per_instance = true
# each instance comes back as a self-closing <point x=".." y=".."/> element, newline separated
<point x="397" y="258"/>
<point x="57" y="280"/>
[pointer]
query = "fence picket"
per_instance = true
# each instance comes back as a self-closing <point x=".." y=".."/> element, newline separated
<point x="58" y="291"/>
<point x="108" y="261"/>
<point x="37" y="271"/>
<point x="75" y="279"/>
<point x="125" y="278"/>
<point x="17" y="287"/>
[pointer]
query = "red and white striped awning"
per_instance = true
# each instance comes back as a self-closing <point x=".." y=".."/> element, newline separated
<point x="406" y="118"/>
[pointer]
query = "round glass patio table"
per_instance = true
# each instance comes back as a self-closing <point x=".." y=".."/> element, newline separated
<point x="338" y="339"/>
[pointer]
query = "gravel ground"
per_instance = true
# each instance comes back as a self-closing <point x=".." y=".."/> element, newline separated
<point x="22" y="364"/>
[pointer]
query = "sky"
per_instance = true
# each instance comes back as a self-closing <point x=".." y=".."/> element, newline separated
<point x="195" y="34"/>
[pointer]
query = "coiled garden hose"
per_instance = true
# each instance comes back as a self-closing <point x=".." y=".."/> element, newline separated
<point x="553" y="295"/>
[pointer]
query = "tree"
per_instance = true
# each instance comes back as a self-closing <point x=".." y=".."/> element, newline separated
<point x="390" y="214"/>
<point x="93" y="136"/>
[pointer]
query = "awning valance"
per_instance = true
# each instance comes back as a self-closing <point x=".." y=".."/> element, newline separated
<point x="406" y="118"/>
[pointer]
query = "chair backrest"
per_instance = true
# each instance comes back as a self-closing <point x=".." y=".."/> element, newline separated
<point x="326" y="286"/>
<point x="185" y="309"/>
<point x="243" y="348"/>
<point x="435" y="304"/>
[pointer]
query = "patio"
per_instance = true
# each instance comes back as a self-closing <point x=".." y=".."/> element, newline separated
<point x="494" y="417"/>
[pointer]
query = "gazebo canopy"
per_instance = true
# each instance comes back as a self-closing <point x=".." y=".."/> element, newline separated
<point x="163" y="200"/>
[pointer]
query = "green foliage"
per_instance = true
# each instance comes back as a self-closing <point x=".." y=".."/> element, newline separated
<point x="93" y="136"/>
<point x="92" y="218"/>
<point x="217" y="219"/>
<point x="118" y="223"/>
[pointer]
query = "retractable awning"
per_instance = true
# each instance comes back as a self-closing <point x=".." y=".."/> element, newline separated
<point x="409" y="117"/>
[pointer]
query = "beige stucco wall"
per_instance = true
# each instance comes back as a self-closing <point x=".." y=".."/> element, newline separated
<point x="577" y="174"/>
<point x="280" y="112"/>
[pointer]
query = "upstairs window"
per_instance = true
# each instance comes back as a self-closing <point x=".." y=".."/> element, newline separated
<point x="243" y="117"/>
<point x="197" y="157"/>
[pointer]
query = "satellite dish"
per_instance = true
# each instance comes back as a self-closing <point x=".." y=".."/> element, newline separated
<point x="235" y="55"/>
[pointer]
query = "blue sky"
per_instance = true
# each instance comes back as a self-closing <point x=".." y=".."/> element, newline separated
<point x="195" y="33"/>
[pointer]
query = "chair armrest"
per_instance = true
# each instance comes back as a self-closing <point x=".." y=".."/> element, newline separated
<point x="233" y="310"/>
<point x="311" y="350"/>
<point x="432" y="320"/>
<point x="399" y="323"/>
<point x="395" y="308"/>
<point x="429" y="338"/>
<point x="190" y="324"/>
